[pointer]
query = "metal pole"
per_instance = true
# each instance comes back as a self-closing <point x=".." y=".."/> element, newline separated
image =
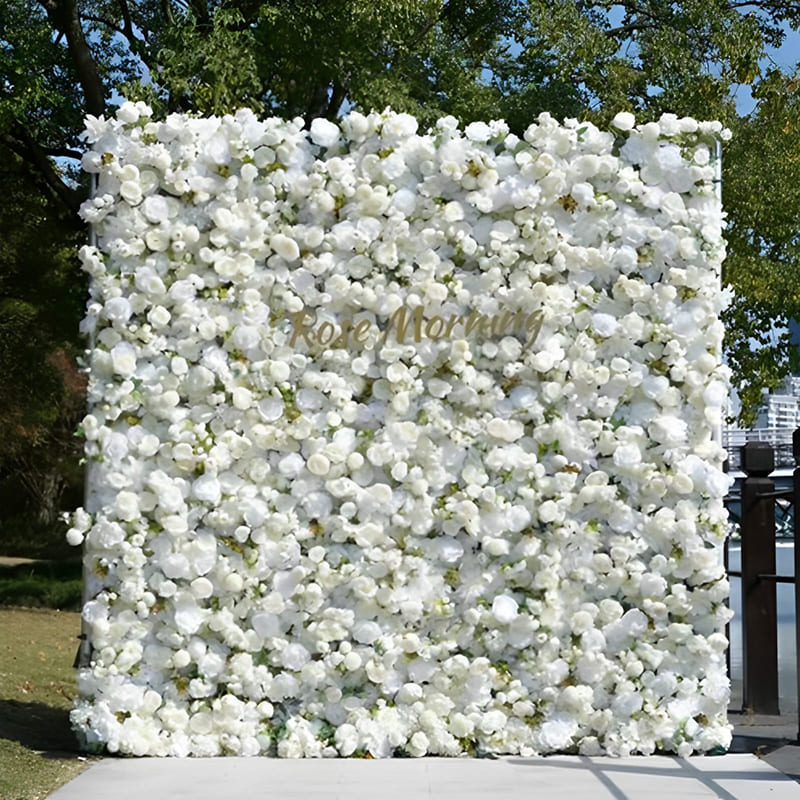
<point x="83" y="657"/>
<point x="717" y="432"/>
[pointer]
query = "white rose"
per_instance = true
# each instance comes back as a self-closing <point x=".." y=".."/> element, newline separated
<point x="218" y="149"/>
<point x="127" y="506"/>
<point x="106" y="535"/>
<point x="366" y="632"/>
<point x="157" y="240"/>
<point x="285" y="247"/>
<point x="493" y="721"/>
<point x="504" y="609"/>
<point x="207" y="489"/>
<point x="199" y="381"/>
<point x="604" y="324"/>
<point x="188" y="615"/>
<point x="668" y="430"/>
<point x="155" y="208"/>
<point x="418" y="744"/>
<point x="673" y="206"/>
<point x="128" y="113"/>
<point x="318" y="464"/>
<point x="324" y="132"/>
<point x="460" y="725"/>
<point x="242" y="398"/>
<point x="74" y="537"/>
<point x="201" y="588"/>
<point x="118" y="309"/>
<point x="715" y="394"/>
<point x="158" y="316"/>
<point x="549" y="511"/>
<point x="123" y="359"/>
<point x="507" y="430"/>
<point x="627" y="456"/>
<point x="347" y="740"/>
<point x="557" y="732"/>
<point x="399" y="126"/>
<point x="478" y="132"/>
<point x="624" y="121"/>
<point x="652" y="586"/>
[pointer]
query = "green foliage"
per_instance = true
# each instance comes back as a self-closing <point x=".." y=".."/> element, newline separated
<point x="691" y="58"/>
<point x="208" y="65"/>
<point x="40" y="97"/>
<point x="42" y="584"/>
<point x="512" y="60"/>
<point x="762" y="194"/>
<point x="313" y="59"/>
<point x="41" y="300"/>
<point x="475" y="60"/>
<point x="654" y="57"/>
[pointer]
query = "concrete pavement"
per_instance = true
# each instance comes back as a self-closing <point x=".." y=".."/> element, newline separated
<point x="731" y="777"/>
<point x="764" y="762"/>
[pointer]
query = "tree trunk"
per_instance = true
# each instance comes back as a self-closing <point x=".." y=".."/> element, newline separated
<point x="65" y="18"/>
<point x="51" y="487"/>
<point x="44" y="486"/>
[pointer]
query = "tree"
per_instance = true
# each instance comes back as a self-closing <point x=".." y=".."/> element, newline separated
<point x="41" y="288"/>
<point x="41" y="393"/>
<point x="61" y="59"/>
<point x="763" y="197"/>
<point x="690" y="58"/>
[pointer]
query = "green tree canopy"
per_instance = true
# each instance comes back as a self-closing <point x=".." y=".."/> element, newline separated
<point x="480" y="59"/>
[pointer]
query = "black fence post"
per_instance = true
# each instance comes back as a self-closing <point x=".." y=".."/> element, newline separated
<point x="759" y="609"/>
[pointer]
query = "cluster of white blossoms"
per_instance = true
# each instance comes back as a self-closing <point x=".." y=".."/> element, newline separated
<point x="403" y="443"/>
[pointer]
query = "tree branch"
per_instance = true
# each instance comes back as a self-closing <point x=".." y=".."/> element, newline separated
<point x="201" y="14"/>
<point x="127" y="26"/>
<point x="63" y="15"/>
<point x="787" y="8"/>
<point x="317" y="104"/>
<point x="633" y="27"/>
<point x="138" y="47"/>
<point x="28" y="149"/>
<point x="62" y="152"/>
<point x="101" y="21"/>
<point x="426" y="28"/>
<point x="166" y="10"/>
<point x="338" y="94"/>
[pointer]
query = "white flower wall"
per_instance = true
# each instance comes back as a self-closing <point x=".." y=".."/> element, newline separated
<point x="402" y="443"/>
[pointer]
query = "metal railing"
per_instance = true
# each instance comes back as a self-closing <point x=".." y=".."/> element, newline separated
<point x="759" y="499"/>
<point x="734" y="439"/>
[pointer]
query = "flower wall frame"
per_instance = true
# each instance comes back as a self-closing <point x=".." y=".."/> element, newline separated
<point x="403" y="443"/>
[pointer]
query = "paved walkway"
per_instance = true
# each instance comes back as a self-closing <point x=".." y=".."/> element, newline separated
<point x="13" y="561"/>
<point x="731" y="777"/>
<point x="764" y="763"/>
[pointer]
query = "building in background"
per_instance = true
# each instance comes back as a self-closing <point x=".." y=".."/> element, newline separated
<point x="781" y="410"/>
<point x="777" y="421"/>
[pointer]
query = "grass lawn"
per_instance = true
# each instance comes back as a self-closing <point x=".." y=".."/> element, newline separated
<point x="38" y="751"/>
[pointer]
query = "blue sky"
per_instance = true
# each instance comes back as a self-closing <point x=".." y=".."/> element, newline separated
<point x="786" y="57"/>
